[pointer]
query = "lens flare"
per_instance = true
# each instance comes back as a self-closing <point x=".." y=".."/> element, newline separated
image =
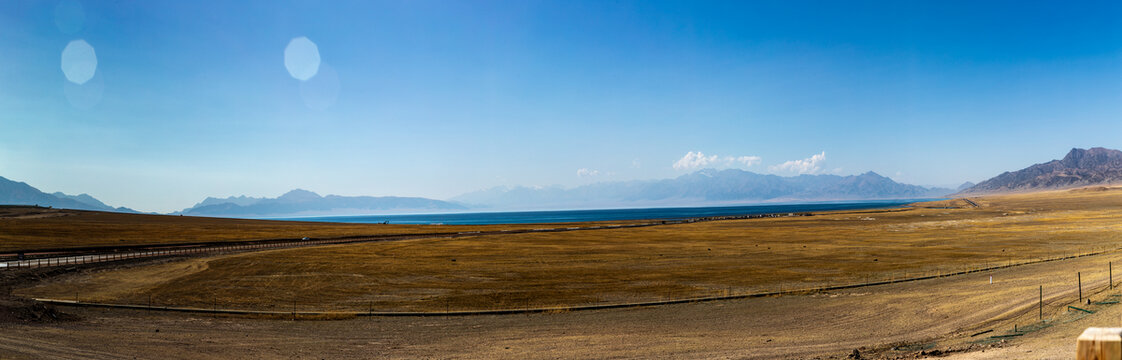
<point x="301" y="58"/>
<point x="79" y="62"/>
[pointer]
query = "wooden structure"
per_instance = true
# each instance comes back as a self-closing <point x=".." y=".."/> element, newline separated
<point x="1099" y="344"/>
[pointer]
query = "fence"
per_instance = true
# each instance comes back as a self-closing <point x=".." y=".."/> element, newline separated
<point x="135" y="252"/>
<point x="718" y="294"/>
<point x="125" y="255"/>
<point x="312" y="306"/>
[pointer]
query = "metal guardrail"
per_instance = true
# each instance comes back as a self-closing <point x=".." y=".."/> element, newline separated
<point x="78" y="259"/>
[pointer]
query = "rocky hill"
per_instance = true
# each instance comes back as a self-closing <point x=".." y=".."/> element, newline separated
<point x="1095" y="166"/>
<point x="20" y="193"/>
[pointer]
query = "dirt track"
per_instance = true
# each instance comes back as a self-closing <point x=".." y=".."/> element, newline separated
<point x="816" y="325"/>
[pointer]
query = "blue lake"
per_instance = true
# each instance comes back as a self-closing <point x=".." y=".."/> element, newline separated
<point x="561" y="216"/>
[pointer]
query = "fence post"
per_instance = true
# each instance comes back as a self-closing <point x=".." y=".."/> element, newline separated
<point x="1110" y="270"/>
<point x="1079" y="278"/>
<point x="1041" y="306"/>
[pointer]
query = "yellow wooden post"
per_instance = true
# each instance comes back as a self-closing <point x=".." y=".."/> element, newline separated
<point x="1099" y="344"/>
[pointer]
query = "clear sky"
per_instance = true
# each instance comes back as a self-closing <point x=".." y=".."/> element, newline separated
<point x="190" y="99"/>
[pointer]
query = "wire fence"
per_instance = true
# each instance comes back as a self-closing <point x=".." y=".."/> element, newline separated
<point x="297" y="304"/>
<point x="315" y="306"/>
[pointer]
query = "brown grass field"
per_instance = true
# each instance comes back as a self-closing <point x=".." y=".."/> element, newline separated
<point x="610" y="266"/>
<point x="893" y="321"/>
<point x="39" y="228"/>
<point x="626" y="265"/>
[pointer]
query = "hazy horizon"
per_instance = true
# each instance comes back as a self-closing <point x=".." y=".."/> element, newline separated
<point x="473" y="206"/>
<point x="158" y="105"/>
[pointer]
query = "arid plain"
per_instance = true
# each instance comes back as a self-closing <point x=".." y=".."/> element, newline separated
<point x="1028" y="234"/>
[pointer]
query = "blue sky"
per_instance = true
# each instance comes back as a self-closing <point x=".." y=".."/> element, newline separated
<point x="431" y="98"/>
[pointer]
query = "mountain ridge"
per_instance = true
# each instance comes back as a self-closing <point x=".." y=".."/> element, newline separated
<point x="707" y="186"/>
<point x="20" y="193"/>
<point x="299" y="202"/>
<point x="701" y="188"/>
<point x="1080" y="167"/>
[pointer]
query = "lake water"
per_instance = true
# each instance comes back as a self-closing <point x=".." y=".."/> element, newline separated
<point x="561" y="216"/>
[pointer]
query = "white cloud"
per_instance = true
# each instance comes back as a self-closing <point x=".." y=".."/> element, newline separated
<point x="694" y="160"/>
<point x="746" y="160"/>
<point x="697" y="160"/>
<point x="811" y="165"/>
<point x="584" y="172"/>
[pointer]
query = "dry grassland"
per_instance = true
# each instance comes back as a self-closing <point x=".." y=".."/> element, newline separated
<point x="32" y="228"/>
<point x="627" y="265"/>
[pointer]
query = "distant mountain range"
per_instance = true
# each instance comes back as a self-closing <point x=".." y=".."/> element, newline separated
<point x="1095" y="166"/>
<point x="705" y="187"/>
<point x="306" y="203"/>
<point x="700" y="188"/>
<point x="20" y="193"/>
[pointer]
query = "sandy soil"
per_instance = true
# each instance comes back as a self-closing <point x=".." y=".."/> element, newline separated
<point x="1056" y="342"/>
